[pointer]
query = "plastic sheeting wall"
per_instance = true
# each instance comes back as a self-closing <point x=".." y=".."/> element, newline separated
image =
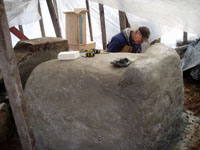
<point x="168" y="35"/>
<point x="181" y="14"/>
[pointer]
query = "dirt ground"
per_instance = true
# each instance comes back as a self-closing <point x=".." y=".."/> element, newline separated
<point x="192" y="101"/>
<point x="192" y="95"/>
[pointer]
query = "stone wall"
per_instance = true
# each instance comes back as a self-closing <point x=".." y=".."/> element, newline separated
<point x="88" y="104"/>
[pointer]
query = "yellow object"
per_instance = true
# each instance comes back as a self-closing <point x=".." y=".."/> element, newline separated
<point x="90" y="54"/>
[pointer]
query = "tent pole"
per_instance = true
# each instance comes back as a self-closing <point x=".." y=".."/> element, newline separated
<point x="122" y="20"/>
<point x="185" y="38"/>
<point x="103" y="28"/>
<point x="89" y="19"/>
<point x="54" y="18"/>
<point x="41" y="20"/>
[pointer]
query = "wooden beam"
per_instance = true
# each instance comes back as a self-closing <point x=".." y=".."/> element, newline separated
<point x="56" y="11"/>
<point x="185" y="38"/>
<point x="41" y="20"/>
<point x="103" y="27"/>
<point x="18" y="34"/>
<point x="13" y="85"/>
<point x="54" y="18"/>
<point x="89" y="19"/>
<point x="122" y="20"/>
<point x="56" y="8"/>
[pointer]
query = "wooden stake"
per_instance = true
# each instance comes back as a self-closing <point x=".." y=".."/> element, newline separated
<point x="56" y="8"/>
<point x="103" y="28"/>
<point x="41" y="20"/>
<point x="122" y="20"/>
<point x="185" y="38"/>
<point x="13" y="85"/>
<point x="54" y="18"/>
<point x="89" y="19"/>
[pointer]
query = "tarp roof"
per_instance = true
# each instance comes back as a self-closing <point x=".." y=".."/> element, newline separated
<point x="179" y="14"/>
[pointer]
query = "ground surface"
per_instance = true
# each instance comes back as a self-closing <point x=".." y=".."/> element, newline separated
<point x="192" y="95"/>
<point x="191" y="135"/>
<point x="192" y="103"/>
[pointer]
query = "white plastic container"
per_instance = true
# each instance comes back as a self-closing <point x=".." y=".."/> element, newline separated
<point x="70" y="55"/>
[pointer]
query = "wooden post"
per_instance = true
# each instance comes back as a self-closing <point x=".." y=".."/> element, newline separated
<point x="103" y="28"/>
<point x="56" y="11"/>
<point x="122" y="20"/>
<point x="13" y="85"/>
<point x="54" y="18"/>
<point x="127" y="23"/>
<point x="89" y="19"/>
<point x="21" y="29"/>
<point x="185" y="38"/>
<point x="41" y="20"/>
<point x="56" y="8"/>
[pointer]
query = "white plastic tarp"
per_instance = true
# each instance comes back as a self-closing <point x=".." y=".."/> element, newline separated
<point x="136" y="18"/>
<point x="21" y="11"/>
<point x="180" y="14"/>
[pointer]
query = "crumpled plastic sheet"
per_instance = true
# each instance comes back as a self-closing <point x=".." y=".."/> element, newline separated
<point x="191" y="59"/>
<point x="195" y="73"/>
<point x="21" y="11"/>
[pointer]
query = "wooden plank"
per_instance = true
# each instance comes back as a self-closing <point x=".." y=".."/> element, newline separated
<point x="18" y="34"/>
<point x="84" y="34"/>
<point x="13" y="85"/>
<point x="89" y="20"/>
<point x="72" y="27"/>
<point x="21" y="29"/>
<point x="41" y="20"/>
<point x="185" y="41"/>
<point x="54" y="18"/>
<point x="103" y="27"/>
<point x="122" y="20"/>
<point x="76" y="27"/>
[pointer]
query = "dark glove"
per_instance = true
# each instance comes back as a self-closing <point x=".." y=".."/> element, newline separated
<point x="121" y="62"/>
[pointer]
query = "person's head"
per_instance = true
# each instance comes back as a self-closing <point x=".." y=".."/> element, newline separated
<point x="141" y="35"/>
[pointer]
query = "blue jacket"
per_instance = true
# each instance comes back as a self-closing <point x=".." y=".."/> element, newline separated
<point x="118" y="43"/>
